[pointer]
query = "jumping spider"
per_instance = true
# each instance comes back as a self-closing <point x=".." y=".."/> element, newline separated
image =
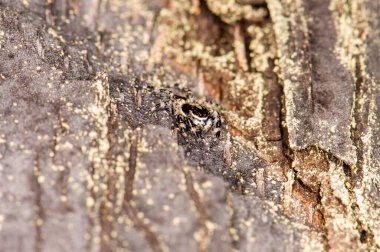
<point x="197" y="117"/>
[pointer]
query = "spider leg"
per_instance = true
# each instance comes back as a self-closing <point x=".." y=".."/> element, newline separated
<point x="181" y="123"/>
<point x="217" y="133"/>
<point x="193" y="128"/>
<point x="217" y="125"/>
<point x="198" y="133"/>
<point x="208" y="125"/>
<point x="199" y="127"/>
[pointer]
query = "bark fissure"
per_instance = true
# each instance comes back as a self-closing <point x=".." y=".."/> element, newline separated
<point x="131" y="210"/>
<point x="105" y="210"/>
<point x="202" y="232"/>
<point x="40" y="211"/>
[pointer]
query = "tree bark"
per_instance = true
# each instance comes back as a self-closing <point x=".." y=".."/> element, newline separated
<point x="88" y="163"/>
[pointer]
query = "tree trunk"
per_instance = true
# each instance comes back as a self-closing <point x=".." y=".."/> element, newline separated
<point x="90" y="162"/>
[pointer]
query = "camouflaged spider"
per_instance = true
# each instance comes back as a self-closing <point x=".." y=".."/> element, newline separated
<point x="197" y="117"/>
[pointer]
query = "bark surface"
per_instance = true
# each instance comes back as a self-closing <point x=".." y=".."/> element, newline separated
<point x="87" y="162"/>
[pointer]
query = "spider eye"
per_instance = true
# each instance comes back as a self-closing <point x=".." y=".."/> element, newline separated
<point x="200" y="111"/>
<point x="186" y="108"/>
<point x="196" y="110"/>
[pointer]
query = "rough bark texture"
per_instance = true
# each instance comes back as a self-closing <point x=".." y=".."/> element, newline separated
<point x="86" y="164"/>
